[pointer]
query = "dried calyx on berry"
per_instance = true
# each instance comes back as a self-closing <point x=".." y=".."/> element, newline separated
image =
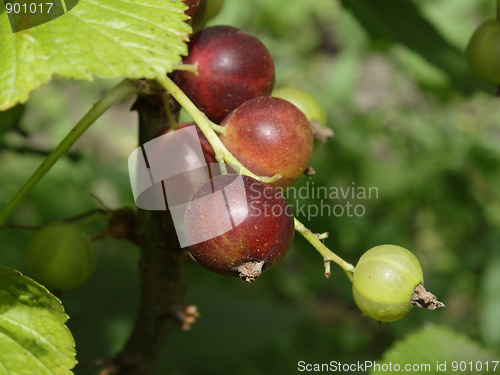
<point x="238" y="226"/>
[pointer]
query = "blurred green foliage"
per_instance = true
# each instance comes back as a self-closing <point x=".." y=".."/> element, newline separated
<point x="426" y="137"/>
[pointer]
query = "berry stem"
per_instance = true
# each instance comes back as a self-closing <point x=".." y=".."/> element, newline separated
<point x="498" y="9"/>
<point x="192" y="68"/>
<point x="328" y="255"/>
<point x="21" y="226"/>
<point x="222" y="164"/>
<point x="207" y="127"/>
<point x="67" y="220"/>
<point x="121" y="91"/>
<point x="219" y="129"/>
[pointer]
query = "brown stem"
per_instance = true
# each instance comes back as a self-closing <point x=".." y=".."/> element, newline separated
<point x="74" y="156"/>
<point x="20" y="226"/>
<point x="68" y="220"/>
<point x="86" y="214"/>
<point x="161" y="273"/>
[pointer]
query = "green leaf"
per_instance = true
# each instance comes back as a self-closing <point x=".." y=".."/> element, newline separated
<point x="33" y="336"/>
<point x="400" y="21"/>
<point x="105" y="38"/>
<point x="437" y="345"/>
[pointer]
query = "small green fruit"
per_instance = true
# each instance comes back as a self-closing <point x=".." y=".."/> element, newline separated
<point x="384" y="281"/>
<point x="304" y="101"/>
<point x="483" y="51"/>
<point x="61" y="256"/>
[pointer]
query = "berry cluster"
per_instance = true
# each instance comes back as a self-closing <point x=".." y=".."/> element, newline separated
<point x="235" y="224"/>
<point x="269" y="136"/>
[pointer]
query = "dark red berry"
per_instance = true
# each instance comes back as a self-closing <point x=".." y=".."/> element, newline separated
<point x="238" y="226"/>
<point x="270" y="136"/>
<point x="233" y="67"/>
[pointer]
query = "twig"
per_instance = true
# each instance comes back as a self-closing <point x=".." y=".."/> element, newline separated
<point x="74" y="156"/>
<point x="113" y="96"/>
<point x="328" y="255"/>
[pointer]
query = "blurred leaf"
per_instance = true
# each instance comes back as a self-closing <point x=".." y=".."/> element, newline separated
<point x="400" y="21"/>
<point x="34" y="339"/>
<point x="107" y="38"/>
<point x="489" y="322"/>
<point x="435" y="345"/>
<point x="10" y="118"/>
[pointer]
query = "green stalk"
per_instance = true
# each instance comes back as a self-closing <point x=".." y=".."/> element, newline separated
<point x="207" y="127"/>
<point x="113" y="96"/>
<point x="328" y="255"/>
<point x="192" y="68"/>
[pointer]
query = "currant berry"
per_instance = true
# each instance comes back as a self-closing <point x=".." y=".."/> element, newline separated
<point x="238" y="226"/>
<point x="233" y="67"/>
<point x="61" y="256"/>
<point x="270" y="136"/>
<point x="384" y="281"/>
<point x="483" y="51"/>
<point x="304" y="101"/>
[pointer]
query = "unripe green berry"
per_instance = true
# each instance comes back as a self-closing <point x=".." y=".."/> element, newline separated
<point x="483" y="51"/>
<point x="304" y="101"/>
<point x="384" y="281"/>
<point x="61" y="256"/>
